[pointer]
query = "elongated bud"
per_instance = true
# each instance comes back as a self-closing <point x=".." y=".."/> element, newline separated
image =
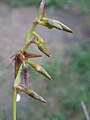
<point x="42" y="46"/>
<point x="39" y="69"/>
<point x="31" y="93"/>
<point x="51" y="23"/>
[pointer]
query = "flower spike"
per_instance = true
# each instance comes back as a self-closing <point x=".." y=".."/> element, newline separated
<point x="39" y="69"/>
<point x="22" y="78"/>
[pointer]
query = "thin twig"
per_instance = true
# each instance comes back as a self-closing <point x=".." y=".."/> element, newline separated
<point x="85" y="110"/>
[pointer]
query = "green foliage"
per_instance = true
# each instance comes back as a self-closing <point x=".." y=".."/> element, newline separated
<point x="80" y="64"/>
<point x="78" y="72"/>
<point x="5" y="112"/>
<point x="53" y="4"/>
<point x="23" y="2"/>
<point x="36" y="2"/>
<point x="57" y="116"/>
<point x="84" y="5"/>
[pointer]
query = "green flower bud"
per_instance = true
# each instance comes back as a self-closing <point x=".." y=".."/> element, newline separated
<point x="42" y="46"/>
<point x="39" y="69"/>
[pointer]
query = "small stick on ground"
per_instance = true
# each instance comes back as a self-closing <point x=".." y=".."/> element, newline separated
<point x="86" y="114"/>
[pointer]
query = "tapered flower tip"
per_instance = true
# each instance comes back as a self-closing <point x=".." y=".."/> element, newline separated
<point x="59" y="25"/>
<point x="36" y="96"/>
<point x="41" y="44"/>
<point x="39" y="69"/>
<point x="65" y="28"/>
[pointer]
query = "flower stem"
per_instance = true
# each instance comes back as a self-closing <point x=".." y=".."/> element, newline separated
<point x="29" y="33"/>
<point x="14" y="104"/>
<point x="14" y="93"/>
<point x="39" y="16"/>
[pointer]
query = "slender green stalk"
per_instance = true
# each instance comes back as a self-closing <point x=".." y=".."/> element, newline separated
<point x="29" y="33"/>
<point x="39" y="15"/>
<point x="17" y="79"/>
<point x="14" y="94"/>
<point x="14" y="104"/>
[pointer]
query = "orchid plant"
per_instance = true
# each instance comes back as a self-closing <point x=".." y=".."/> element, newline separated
<point x="21" y="75"/>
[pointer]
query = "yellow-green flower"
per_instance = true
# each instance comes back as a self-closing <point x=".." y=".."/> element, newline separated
<point x="51" y="23"/>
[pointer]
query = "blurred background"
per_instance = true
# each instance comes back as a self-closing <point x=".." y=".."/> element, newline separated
<point x="69" y="65"/>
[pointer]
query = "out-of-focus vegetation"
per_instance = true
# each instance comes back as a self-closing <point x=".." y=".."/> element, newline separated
<point x="70" y="86"/>
<point x="81" y="5"/>
<point x="77" y="73"/>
